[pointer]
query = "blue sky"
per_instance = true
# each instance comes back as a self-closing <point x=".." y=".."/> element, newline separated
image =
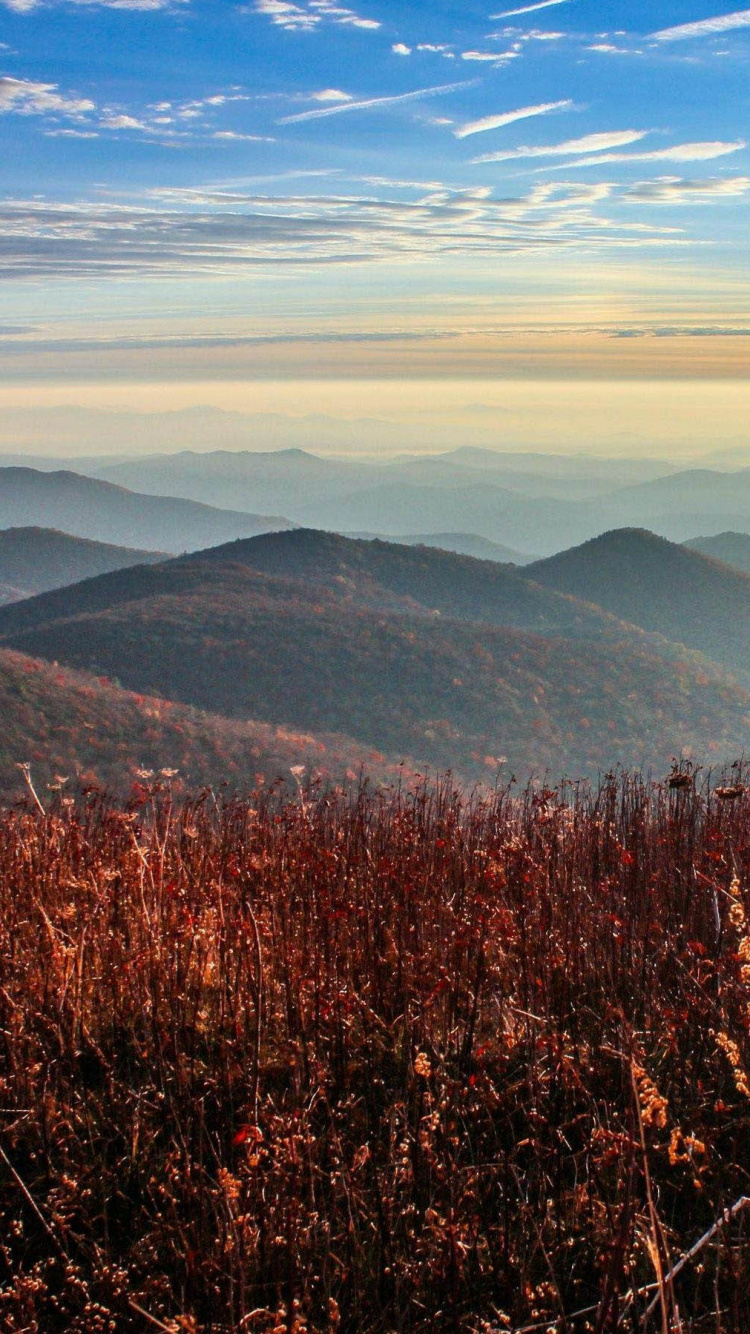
<point x="198" y="192"/>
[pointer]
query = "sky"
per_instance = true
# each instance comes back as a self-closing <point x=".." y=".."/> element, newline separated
<point x="530" y="220"/>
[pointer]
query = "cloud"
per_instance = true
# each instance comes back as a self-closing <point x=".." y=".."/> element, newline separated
<point x="232" y="135"/>
<point x="311" y="14"/>
<point x="683" y="331"/>
<point x="122" y="123"/>
<point x="71" y="134"/>
<point x="142" y="343"/>
<point x="699" y="152"/>
<point x="142" y="6"/>
<point x="166" y="122"/>
<point x="675" y="190"/>
<point x="492" y="57"/>
<point x="508" y="118"/>
<point x="390" y="183"/>
<point x="528" y="9"/>
<point x="590" y="143"/>
<point x="373" y="103"/>
<point x="400" y="49"/>
<point x="705" y="27"/>
<point x="28" y="98"/>
<point x="228" y="233"/>
<point x="331" y="95"/>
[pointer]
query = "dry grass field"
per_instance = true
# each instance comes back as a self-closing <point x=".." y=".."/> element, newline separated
<point x="395" y="1061"/>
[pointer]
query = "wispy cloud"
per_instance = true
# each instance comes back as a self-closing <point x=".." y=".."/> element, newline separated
<point x="699" y="152"/>
<point x="590" y="143"/>
<point x="71" y="134"/>
<point x="311" y="14"/>
<point x="230" y="136"/>
<point x="528" y="9"/>
<point x="509" y="117"/>
<point x="373" y="103"/>
<point x="675" y="190"/>
<point x="493" y="57"/>
<point x="226" y="232"/>
<point x="29" y="98"/>
<point x="705" y="27"/>
<point x="609" y="49"/>
<point x="166" y="122"/>
<point x="26" y="6"/>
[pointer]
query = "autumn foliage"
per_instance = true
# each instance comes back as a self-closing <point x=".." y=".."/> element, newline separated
<point x="388" y="1061"/>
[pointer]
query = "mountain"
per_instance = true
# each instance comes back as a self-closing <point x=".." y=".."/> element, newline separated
<point x="418" y="580"/>
<point x="479" y="506"/>
<point x="731" y="548"/>
<point x="8" y="593"/>
<point x="462" y="544"/>
<point x="584" y="469"/>
<point x="321" y="634"/>
<point x="103" y="512"/>
<point x="76" y="432"/>
<point x="662" y="587"/>
<point x="77" y="726"/>
<point x="696" y="500"/>
<point x="35" y="560"/>
<point x="526" y="502"/>
<point x="537" y="476"/>
<point x="278" y="481"/>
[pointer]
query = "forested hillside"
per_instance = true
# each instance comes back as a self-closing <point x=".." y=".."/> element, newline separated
<point x="337" y="651"/>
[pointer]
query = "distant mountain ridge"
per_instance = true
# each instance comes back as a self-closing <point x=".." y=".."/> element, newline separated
<point x="522" y="501"/>
<point x="101" y="511"/>
<point x="731" y="548"/>
<point x="528" y="502"/>
<point x="35" y="560"/>
<point x="694" y="500"/>
<point x="461" y="544"/>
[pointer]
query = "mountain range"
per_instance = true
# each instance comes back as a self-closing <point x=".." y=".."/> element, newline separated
<point x="439" y="659"/>
<point x="104" y="512"/>
<point x="525" y="504"/>
<point x="530" y="503"/>
<point x="35" y="560"/>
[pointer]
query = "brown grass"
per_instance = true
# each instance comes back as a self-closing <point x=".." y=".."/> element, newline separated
<point x="388" y="1062"/>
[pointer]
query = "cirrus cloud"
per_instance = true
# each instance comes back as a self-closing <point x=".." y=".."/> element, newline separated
<point x="528" y="9"/>
<point x="230" y="232"/>
<point x="698" y="152"/>
<point x="372" y="103"/>
<point x="26" y="6"/>
<point x="676" y="190"/>
<point x="509" y="117"/>
<point x="590" y="143"/>
<point x="705" y="27"/>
